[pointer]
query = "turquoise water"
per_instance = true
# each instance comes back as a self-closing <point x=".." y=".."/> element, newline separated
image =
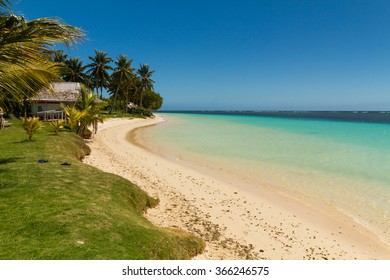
<point x="345" y="164"/>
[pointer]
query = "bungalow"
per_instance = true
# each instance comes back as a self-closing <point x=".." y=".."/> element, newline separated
<point x="47" y="103"/>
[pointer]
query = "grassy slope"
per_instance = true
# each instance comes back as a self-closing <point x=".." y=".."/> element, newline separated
<point x="50" y="211"/>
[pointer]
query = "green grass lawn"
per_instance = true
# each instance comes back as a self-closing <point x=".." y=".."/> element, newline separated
<point x="52" y="211"/>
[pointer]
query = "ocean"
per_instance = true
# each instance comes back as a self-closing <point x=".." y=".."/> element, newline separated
<point x="339" y="158"/>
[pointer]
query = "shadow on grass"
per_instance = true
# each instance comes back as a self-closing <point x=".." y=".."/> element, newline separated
<point x="4" y="161"/>
<point x="24" y="141"/>
<point x="8" y="160"/>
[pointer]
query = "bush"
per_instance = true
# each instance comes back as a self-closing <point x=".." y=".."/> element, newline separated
<point x="152" y="100"/>
<point x="31" y="126"/>
<point x="141" y="111"/>
<point x="57" y="125"/>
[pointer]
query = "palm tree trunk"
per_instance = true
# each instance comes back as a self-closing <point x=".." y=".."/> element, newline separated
<point x="127" y="100"/>
<point x="140" y="98"/>
<point x="117" y="90"/>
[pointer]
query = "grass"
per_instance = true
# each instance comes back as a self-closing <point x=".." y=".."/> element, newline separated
<point x="54" y="211"/>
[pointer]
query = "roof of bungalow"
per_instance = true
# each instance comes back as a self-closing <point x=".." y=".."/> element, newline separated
<point x="59" y="92"/>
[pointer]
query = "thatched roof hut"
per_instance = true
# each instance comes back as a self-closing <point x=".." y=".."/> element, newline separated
<point x="47" y="103"/>
<point x="59" y="93"/>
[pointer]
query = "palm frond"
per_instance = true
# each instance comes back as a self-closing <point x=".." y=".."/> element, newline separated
<point x="24" y="82"/>
<point x="25" y="66"/>
<point x="5" y="3"/>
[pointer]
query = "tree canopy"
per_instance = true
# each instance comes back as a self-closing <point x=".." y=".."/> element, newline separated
<point x="29" y="63"/>
<point x="25" y="66"/>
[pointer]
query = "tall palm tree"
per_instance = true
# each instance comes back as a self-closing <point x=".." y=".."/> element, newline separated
<point x="121" y="78"/>
<point x="98" y="70"/>
<point x="146" y="82"/>
<point x="24" y="64"/>
<point x="74" y="71"/>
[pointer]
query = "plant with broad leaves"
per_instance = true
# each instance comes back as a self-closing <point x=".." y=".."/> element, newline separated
<point x="31" y="126"/>
<point x="57" y="125"/>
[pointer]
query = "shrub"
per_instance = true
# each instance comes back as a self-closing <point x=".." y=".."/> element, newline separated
<point x="57" y="125"/>
<point x="31" y="126"/>
<point x="152" y="100"/>
<point x="73" y="116"/>
<point x="141" y="111"/>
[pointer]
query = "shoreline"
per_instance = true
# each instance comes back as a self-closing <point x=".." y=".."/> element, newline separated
<point x="235" y="222"/>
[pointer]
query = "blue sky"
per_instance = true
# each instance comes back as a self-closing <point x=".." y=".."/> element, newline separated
<point x="244" y="55"/>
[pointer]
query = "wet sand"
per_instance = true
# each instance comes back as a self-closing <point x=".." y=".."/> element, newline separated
<point x="235" y="222"/>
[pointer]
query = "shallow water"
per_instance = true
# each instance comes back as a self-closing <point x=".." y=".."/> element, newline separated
<point x="345" y="164"/>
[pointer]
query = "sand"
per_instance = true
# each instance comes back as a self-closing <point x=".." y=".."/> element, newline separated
<point x="235" y="222"/>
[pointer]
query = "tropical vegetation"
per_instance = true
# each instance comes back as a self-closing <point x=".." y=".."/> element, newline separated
<point x="25" y="65"/>
<point x="29" y="62"/>
<point x="57" y="125"/>
<point x="31" y="126"/>
<point x="61" y="208"/>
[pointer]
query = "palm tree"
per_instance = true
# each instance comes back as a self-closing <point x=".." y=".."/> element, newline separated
<point x="74" y="71"/>
<point x="121" y="78"/>
<point x="98" y="70"/>
<point x="135" y="90"/>
<point x="24" y="64"/>
<point x="88" y="104"/>
<point x="59" y="56"/>
<point x="146" y="82"/>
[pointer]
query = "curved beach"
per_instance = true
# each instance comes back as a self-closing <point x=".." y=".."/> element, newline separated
<point x="235" y="222"/>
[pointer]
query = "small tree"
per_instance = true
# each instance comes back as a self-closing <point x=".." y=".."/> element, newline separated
<point x="88" y="104"/>
<point x="31" y="126"/>
<point x="57" y="125"/>
<point x="152" y="100"/>
<point x="73" y="116"/>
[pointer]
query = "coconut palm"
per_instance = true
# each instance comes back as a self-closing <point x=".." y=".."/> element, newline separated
<point x="121" y="78"/>
<point x="59" y="56"/>
<point x="74" y="71"/>
<point x="146" y="83"/>
<point x="25" y="66"/>
<point x="88" y="103"/>
<point x="98" y="70"/>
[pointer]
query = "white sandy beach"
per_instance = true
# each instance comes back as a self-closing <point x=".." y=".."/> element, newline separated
<point x="234" y="222"/>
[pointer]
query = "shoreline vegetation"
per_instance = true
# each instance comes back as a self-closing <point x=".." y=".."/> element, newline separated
<point x="53" y="206"/>
<point x="235" y="223"/>
<point x="32" y="58"/>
